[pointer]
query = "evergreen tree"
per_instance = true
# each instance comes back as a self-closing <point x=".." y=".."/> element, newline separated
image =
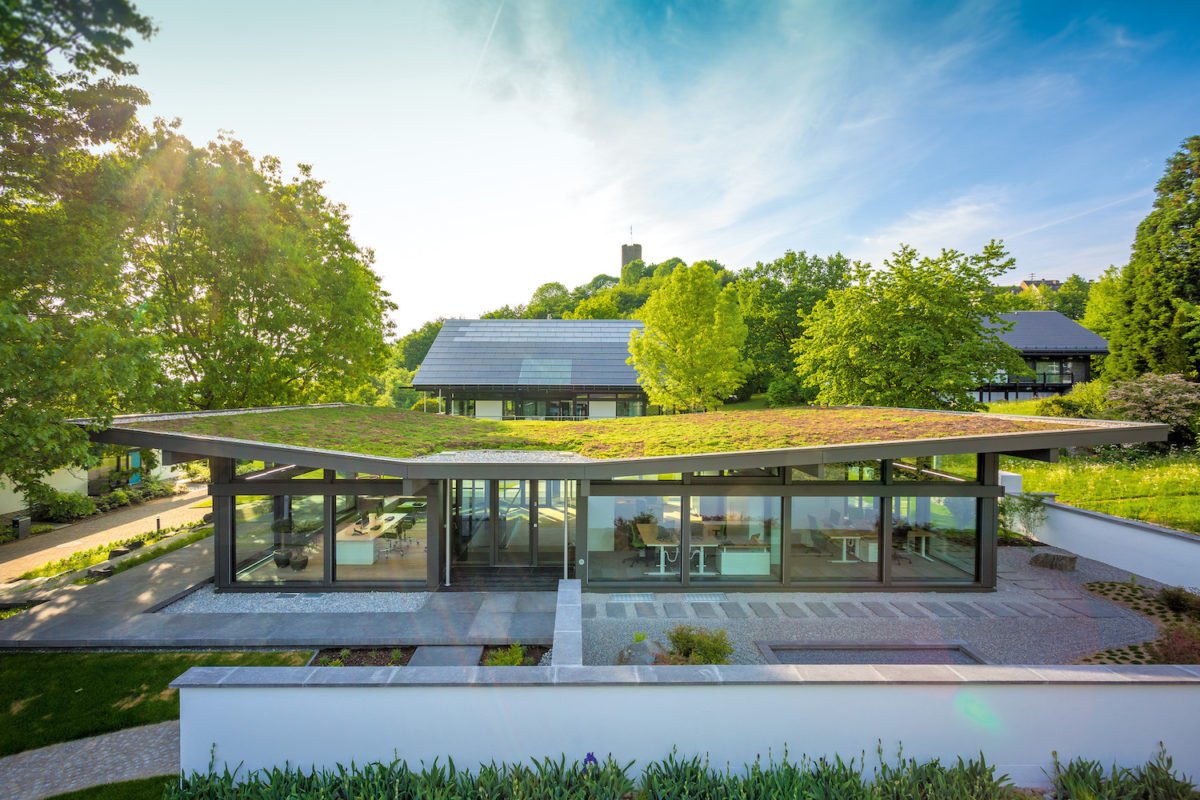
<point x="1157" y="331"/>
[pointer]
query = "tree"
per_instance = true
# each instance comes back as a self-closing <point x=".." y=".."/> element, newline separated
<point x="1166" y="399"/>
<point x="1071" y="298"/>
<point x="1104" y="306"/>
<point x="550" y="300"/>
<point x="920" y="333"/>
<point x="688" y="357"/>
<point x="775" y="299"/>
<point x="69" y="338"/>
<point x="1162" y="279"/>
<point x="251" y="282"/>
<point x="412" y="348"/>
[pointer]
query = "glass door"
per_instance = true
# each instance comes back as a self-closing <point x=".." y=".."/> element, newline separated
<point x="556" y="523"/>
<point x="471" y="521"/>
<point x="515" y="529"/>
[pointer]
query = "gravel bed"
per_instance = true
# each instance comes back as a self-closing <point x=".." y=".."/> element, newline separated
<point x="1008" y="640"/>
<point x="206" y="600"/>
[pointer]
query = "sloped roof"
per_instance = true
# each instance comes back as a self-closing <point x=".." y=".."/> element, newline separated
<point x="531" y="353"/>
<point x="1051" y="332"/>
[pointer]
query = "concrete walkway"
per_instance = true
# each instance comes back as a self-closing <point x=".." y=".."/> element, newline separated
<point x="126" y="755"/>
<point x="17" y="558"/>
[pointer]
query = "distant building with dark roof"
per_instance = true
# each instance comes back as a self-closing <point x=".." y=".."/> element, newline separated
<point x="533" y="369"/>
<point x="1057" y="350"/>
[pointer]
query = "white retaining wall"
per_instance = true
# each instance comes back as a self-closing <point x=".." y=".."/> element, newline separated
<point x="1016" y="716"/>
<point x="1152" y="551"/>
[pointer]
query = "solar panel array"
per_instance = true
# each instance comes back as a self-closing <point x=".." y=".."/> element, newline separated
<point x="529" y="352"/>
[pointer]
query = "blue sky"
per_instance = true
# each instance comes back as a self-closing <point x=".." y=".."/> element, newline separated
<point x="484" y="148"/>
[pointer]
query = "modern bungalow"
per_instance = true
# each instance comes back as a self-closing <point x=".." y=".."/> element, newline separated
<point x="1057" y="350"/>
<point x="559" y="369"/>
<point x="343" y="497"/>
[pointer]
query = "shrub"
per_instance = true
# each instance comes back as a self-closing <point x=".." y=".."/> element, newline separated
<point x="1084" y="400"/>
<point x="789" y="390"/>
<point x="1179" y="600"/>
<point x="431" y="404"/>
<point x="54" y="506"/>
<point x="1167" y="399"/>
<point x="1021" y="514"/>
<point x="692" y="645"/>
<point x="1082" y="779"/>
<point x="511" y="656"/>
<point x="1177" y="644"/>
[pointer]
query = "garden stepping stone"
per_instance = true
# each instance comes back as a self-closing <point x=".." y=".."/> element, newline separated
<point x="1096" y="609"/>
<point x="851" y="610"/>
<point x="938" y="610"/>
<point x="910" y="610"/>
<point x="589" y="612"/>
<point x="966" y="609"/>
<point x="821" y="610"/>
<point x="734" y="610"/>
<point x="1054" y="609"/>
<point x="999" y="610"/>
<point x="645" y="610"/>
<point x="792" y="611"/>
<point x="446" y="656"/>
<point x="616" y="610"/>
<point x="705" y="610"/>
<point x="763" y="610"/>
<point x="880" y="609"/>
<point x="675" y="610"/>
<point x="1057" y="594"/>
<point x="1024" y="610"/>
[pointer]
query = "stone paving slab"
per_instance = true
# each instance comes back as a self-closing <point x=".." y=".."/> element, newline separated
<point x="734" y="610"/>
<point x="646" y="610"/>
<point x="820" y="610"/>
<point x="1054" y="609"/>
<point x="675" y="610"/>
<point x="705" y="610"/>
<point x="910" y="610"/>
<point x="127" y="755"/>
<point x="853" y="610"/>
<point x="763" y="610"/>
<point x="616" y="610"/>
<point x="435" y="656"/>
<point x="879" y="609"/>
<point x="938" y="610"/>
<point x="792" y="610"/>
<point x="1025" y="610"/>
<point x="1094" y="608"/>
<point x="966" y="609"/>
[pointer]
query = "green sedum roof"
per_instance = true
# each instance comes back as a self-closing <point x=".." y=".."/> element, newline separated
<point x="407" y="434"/>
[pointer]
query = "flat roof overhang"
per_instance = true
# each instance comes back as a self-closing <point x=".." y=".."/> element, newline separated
<point x="526" y="464"/>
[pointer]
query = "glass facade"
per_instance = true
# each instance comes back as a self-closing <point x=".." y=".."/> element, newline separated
<point x="834" y="539"/>
<point x="866" y="471"/>
<point x="279" y="539"/>
<point x="634" y="539"/>
<point x="736" y="539"/>
<point x="935" y="539"/>
<point x="962" y="468"/>
<point x="378" y="539"/>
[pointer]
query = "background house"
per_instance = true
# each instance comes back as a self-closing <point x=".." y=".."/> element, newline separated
<point x="1057" y="350"/>
<point x="533" y="369"/>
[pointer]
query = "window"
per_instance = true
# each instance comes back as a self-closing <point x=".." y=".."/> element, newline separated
<point x="279" y="539"/>
<point x="959" y="468"/>
<point x="379" y="539"/>
<point x="935" y="539"/>
<point x="635" y="539"/>
<point x="631" y="407"/>
<point x="462" y="408"/>
<point x="834" y="539"/>
<point x="865" y="471"/>
<point x="736" y="539"/>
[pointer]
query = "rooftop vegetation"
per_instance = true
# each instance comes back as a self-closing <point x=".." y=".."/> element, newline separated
<point x="406" y="434"/>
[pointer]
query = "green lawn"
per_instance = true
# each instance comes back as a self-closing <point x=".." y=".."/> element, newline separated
<point x="1164" y="490"/>
<point x="403" y="434"/>
<point x="1025" y="407"/>
<point x="56" y="697"/>
<point x="144" y="789"/>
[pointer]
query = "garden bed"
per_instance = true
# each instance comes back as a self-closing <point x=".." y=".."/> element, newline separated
<point x="1180" y="624"/>
<point x="492" y="655"/>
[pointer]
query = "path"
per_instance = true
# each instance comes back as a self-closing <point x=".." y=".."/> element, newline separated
<point x="17" y="558"/>
<point x="127" y="755"/>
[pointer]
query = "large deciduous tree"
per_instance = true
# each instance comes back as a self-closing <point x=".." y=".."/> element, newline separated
<point x="776" y="298"/>
<point x="919" y="333"/>
<point x="69" y="341"/>
<point x="1159" y="330"/>
<point x="251" y="282"/>
<point x="688" y="356"/>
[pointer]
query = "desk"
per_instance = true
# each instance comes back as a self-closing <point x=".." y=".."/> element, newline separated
<point x="353" y="548"/>
<point x="845" y="537"/>
<point x="700" y="544"/>
<point x="662" y="553"/>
